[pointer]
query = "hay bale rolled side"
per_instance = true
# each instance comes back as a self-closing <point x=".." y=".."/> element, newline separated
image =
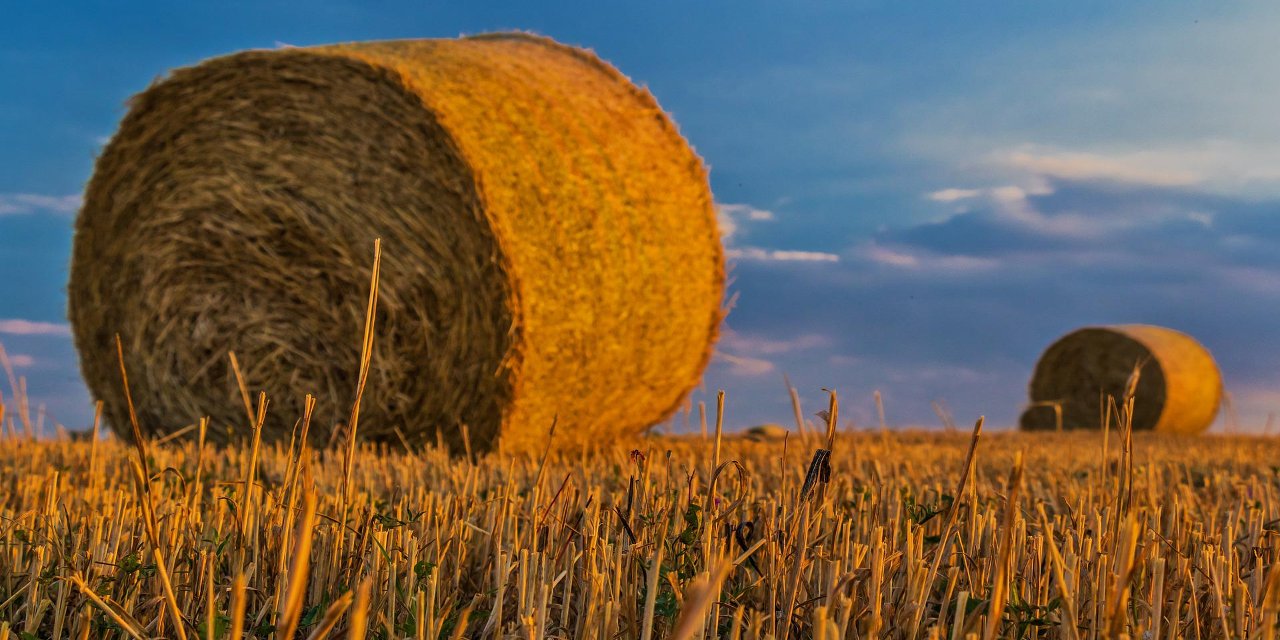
<point x="1179" y="388"/>
<point x="550" y="244"/>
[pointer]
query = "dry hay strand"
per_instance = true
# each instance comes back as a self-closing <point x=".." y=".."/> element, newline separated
<point x="550" y="244"/>
<point x="1178" y="390"/>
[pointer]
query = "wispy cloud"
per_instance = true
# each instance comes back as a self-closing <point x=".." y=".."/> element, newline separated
<point x="744" y="365"/>
<point x="1154" y="168"/>
<point x="1013" y="203"/>
<point x="918" y="260"/>
<point x="734" y="218"/>
<point x="21" y="360"/>
<point x="749" y="354"/>
<point x="19" y="327"/>
<point x="953" y="194"/>
<point x="778" y="255"/>
<point x="23" y="203"/>
<point x="1031" y="208"/>
<point x="761" y="345"/>
<point x="1213" y="165"/>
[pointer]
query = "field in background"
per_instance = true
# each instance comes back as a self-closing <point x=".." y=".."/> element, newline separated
<point x="1034" y="535"/>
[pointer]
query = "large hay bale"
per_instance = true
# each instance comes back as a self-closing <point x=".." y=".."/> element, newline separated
<point x="550" y="244"/>
<point x="1178" y="390"/>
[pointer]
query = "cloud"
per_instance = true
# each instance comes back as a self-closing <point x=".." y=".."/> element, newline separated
<point x="778" y="255"/>
<point x="21" y="360"/>
<point x="1015" y="205"/>
<point x="18" y="327"/>
<point x="750" y="354"/>
<point x="1227" y="167"/>
<point x="733" y="219"/>
<point x="1153" y="168"/>
<point x="760" y="345"/>
<point x="1080" y="177"/>
<point x="959" y="309"/>
<point x="23" y="203"/>
<point x="1077" y="209"/>
<point x="731" y="216"/>
<point x="953" y="194"/>
<point x="917" y="260"/>
<point x="745" y="366"/>
<point x="745" y="211"/>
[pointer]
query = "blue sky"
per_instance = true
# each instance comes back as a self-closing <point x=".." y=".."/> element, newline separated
<point x="918" y="197"/>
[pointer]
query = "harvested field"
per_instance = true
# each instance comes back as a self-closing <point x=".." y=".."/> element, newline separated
<point x="1073" y="535"/>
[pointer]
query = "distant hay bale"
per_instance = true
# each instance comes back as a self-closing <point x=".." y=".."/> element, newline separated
<point x="550" y="244"/>
<point x="765" y="432"/>
<point x="1178" y="391"/>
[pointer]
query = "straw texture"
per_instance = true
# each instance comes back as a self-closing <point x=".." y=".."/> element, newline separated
<point x="1178" y="391"/>
<point x="550" y="244"/>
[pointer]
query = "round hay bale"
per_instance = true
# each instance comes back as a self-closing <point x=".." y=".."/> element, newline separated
<point x="765" y="432"/>
<point x="549" y="245"/>
<point x="1178" y="390"/>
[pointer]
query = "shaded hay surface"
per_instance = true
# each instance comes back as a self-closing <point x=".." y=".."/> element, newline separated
<point x="1179" y="388"/>
<point x="550" y="246"/>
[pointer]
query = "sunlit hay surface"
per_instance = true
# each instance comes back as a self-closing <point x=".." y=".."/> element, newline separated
<point x="550" y="246"/>
<point x="1179" y="384"/>
<point x="1055" y="536"/>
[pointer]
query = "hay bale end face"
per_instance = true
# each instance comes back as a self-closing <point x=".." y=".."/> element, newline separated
<point x="549" y="245"/>
<point x="1178" y="391"/>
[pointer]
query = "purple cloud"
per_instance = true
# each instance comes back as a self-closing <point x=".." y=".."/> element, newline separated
<point x="19" y="327"/>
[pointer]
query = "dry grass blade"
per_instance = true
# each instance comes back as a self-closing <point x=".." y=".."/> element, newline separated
<point x="142" y="480"/>
<point x="698" y="598"/>
<point x="833" y="418"/>
<point x="1127" y="543"/>
<point x="546" y="452"/>
<point x="651" y="589"/>
<point x="463" y="618"/>
<point x="175" y="610"/>
<point x="795" y="408"/>
<point x="360" y="611"/>
<point x="969" y="457"/>
<point x="366" y="358"/>
<point x="331" y="616"/>
<point x="242" y="387"/>
<point x="138" y="440"/>
<point x="1060" y="579"/>
<point x="239" y="587"/>
<point x="251" y="469"/>
<point x="1004" y="552"/>
<point x="300" y="571"/>
<point x="944" y="540"/>
<point x="715" y="456"/>
<point x="93" y="442"/>
<point x="19" y="398"/>
<point x="130" y="627"/>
